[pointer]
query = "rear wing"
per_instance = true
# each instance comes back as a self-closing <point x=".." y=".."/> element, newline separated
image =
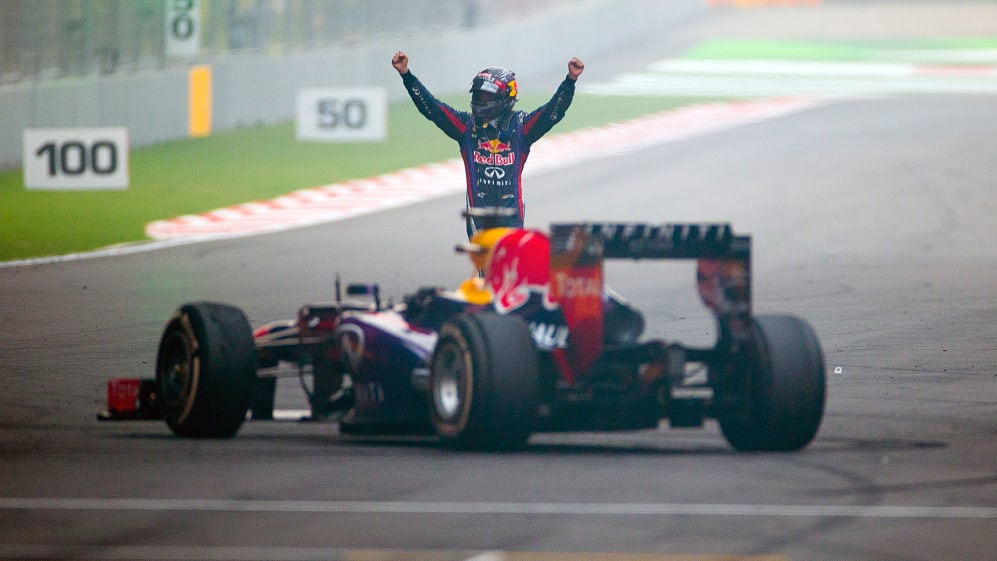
<point x="723" y="268"/>
<point x="646" y="241"/>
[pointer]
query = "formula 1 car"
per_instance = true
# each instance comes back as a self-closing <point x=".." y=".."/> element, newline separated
<point x="534" y="341"/>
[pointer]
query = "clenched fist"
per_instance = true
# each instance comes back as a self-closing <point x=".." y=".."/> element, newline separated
<point x="575" y="68"/>
<point x="400" y="62"/>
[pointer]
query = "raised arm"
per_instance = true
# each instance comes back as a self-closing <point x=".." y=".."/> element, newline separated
<point x="451" y="121"/>
<point x="538" y="122"/>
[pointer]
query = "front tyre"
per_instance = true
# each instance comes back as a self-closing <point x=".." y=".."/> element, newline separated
<point x="484" y="382"/>
<point x="205" y="370"/>
<point x="784" y="386"/>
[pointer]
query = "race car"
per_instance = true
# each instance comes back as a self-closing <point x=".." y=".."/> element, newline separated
<point x="533" y="341"/>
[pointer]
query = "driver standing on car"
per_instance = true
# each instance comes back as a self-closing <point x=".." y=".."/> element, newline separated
<point x="494" y="140"/>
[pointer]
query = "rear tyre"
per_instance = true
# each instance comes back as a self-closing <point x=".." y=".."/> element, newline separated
<point x="783" y="371"/>
<point x="205" y="370"/>
<point x="484" y="382"/>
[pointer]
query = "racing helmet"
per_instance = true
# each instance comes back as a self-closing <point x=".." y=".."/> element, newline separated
<point x="493" y="93"/>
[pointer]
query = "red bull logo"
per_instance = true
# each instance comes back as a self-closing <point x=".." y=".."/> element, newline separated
<point x="494" y="159"/>
<point x="494" y="146"/>
<point x="494" y="152"/>
<point x="519" y="268"/>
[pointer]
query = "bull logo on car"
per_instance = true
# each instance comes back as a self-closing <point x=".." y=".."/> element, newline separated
<point x="518" y="269"/>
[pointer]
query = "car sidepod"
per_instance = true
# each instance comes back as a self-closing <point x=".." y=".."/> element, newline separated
<point x="383" y="354"/>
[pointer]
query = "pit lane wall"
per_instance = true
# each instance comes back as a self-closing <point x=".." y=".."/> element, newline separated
<point x="249" y="90"/>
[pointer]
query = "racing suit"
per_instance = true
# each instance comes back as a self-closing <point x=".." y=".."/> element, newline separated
<point x="493" y="154"/>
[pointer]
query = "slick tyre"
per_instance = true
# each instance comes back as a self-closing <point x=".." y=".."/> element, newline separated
<point x="783" y="383"/>
<point x="205" y="370"/>
<point x="484" y="382"/>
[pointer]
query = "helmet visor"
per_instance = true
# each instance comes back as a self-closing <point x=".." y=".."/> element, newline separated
<point x="479" y="96"/>
<point x="484" y="112"/>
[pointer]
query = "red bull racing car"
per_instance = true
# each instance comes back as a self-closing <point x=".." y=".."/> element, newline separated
<point x="533" y="342"/>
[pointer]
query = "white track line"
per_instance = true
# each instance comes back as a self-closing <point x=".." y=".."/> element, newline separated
<point x="270" y="553"/>
<point x="494" y="508"/>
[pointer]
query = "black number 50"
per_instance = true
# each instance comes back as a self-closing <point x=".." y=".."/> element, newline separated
<point x="352" y="113"/>
<point x="73" y="157"/>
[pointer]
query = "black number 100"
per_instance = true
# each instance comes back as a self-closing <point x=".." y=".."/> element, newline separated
<point x="73" y="157"/>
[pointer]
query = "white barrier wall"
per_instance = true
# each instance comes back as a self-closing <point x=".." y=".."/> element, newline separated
<point x="256" y="89"/>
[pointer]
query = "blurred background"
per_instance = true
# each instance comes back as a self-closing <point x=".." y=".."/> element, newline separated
<point x="51" y="39"/>
<point x="126" y="63"/>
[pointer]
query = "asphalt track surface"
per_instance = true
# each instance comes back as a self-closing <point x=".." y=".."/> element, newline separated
<point x="872" y="218"/>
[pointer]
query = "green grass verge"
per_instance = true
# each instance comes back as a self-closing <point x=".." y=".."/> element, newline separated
<point x="197" y="175"/>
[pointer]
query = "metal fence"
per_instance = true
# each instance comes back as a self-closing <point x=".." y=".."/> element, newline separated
<point x="52" y="39"/>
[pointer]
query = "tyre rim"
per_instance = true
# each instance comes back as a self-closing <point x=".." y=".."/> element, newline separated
<point x="175" y="369"/>
<point x="447" y="388"/>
